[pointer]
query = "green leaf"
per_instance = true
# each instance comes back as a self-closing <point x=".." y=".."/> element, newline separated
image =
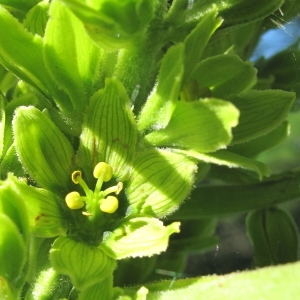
<point x="22" y="54"/>
<point x="267" y="283"/>
<point x="196" y="41"/>
<point x="37" y="18"/>
<point x="12" y="250"/>
<point x="42" y="206"/>
<point x="241" y="11"/>
<point x="262" y="143"/>
<point x="283" y="69"/>
<point x="274" y="235"/>
<point x="86" y="265"/>
<point x="12" y="205"/>
<point x="114" y="24"/>
<point x="71" y="57"/>
<point x="202" y="126"/>
<point x="231" y="160"/>
<point x="260" y="113"/>
<point x="11" y="163"/>
<point x="138" y="236"/>
<point x="224" y="75"/>
<point x="160" y="182"/>
<point x="43" y="150"/>
<point x="109" y="132"/>
<point x="161" y="104"/>
<point x="19" y="5"/>
<point x="100" y="290"/>
<point x="2" y="123"/>
<point x="6" y="291"/>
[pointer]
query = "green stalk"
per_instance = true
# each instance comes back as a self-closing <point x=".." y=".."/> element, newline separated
<point x="215" y="201"/>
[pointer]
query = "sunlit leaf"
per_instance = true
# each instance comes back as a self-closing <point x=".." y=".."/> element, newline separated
<point x="161" y="103"/>
<point x="224" y="75"/>
<point x="86" y="265"/>
<point x="43" y="149"/>
<point x="260" y="113"/>
<point x="202" y="126"/>
<point x="12" y="249"/>
<point x="160" y="182"/>
<point x="231" y="160"/>
<point x="138" y="236"/>
<point x="109" y="133"/>
<point x="71" y="57"/>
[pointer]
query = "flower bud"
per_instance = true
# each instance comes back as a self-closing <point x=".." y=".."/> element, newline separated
<point x="274" y="236"/>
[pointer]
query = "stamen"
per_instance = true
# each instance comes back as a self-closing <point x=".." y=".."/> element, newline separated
<point x="103" y="172"/>
<point x="103" y="169"/>
<point x="77" y="179"/>
<point x="109" y="204"/>
<point x="74" y="200"/>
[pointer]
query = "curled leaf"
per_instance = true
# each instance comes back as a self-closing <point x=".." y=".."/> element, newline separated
<point x="138" y="236"/>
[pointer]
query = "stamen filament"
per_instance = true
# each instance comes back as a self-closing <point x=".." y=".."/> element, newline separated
<point x="77" y="179"/>
<point x="114" y="189"/>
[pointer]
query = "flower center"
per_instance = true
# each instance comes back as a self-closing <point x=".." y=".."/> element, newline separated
<point x="95" y="200"/>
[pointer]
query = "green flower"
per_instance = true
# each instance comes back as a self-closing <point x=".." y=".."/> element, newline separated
<point x="80" y="138"/>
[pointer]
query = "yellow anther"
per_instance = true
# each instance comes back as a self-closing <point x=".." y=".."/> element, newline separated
<point x="76" y="175"/>
<point x="109" y="204"/>
<point x="103" y="169"/>
<point x="74" y="201"/>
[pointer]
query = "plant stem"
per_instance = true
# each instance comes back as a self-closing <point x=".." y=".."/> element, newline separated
<point x="213" y="201"/>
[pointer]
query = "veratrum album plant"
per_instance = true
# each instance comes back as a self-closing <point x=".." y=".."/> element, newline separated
<point x="127" y="128"/>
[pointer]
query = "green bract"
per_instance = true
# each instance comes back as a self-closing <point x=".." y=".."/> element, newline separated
<point x="71" y="258"/>
<point x="48" y="156"/>
<point x="274" y="236"/>
<point x="111" y="138"/>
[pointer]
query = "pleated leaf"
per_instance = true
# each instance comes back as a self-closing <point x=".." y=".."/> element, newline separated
<point x="113" y="24"/>
<point x="160" y="182"/>
<point x="36" y="19"/>
<point x="260" y="113"/>
<point x="43" y="209"/>
<point x="224" y="75"/>
<point x="202" y="126"/>
<point x="262" y="143"/>
<point x="109" y="132"/>
<point x="196" y="41"/>
<point x="12" y="249"/>
<point x="86" y="265"/>
<point x="43" y="149"/>
<point x="22" y="54"/>
<point x="71" y="57"/>
<point x="100" y="290"/>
